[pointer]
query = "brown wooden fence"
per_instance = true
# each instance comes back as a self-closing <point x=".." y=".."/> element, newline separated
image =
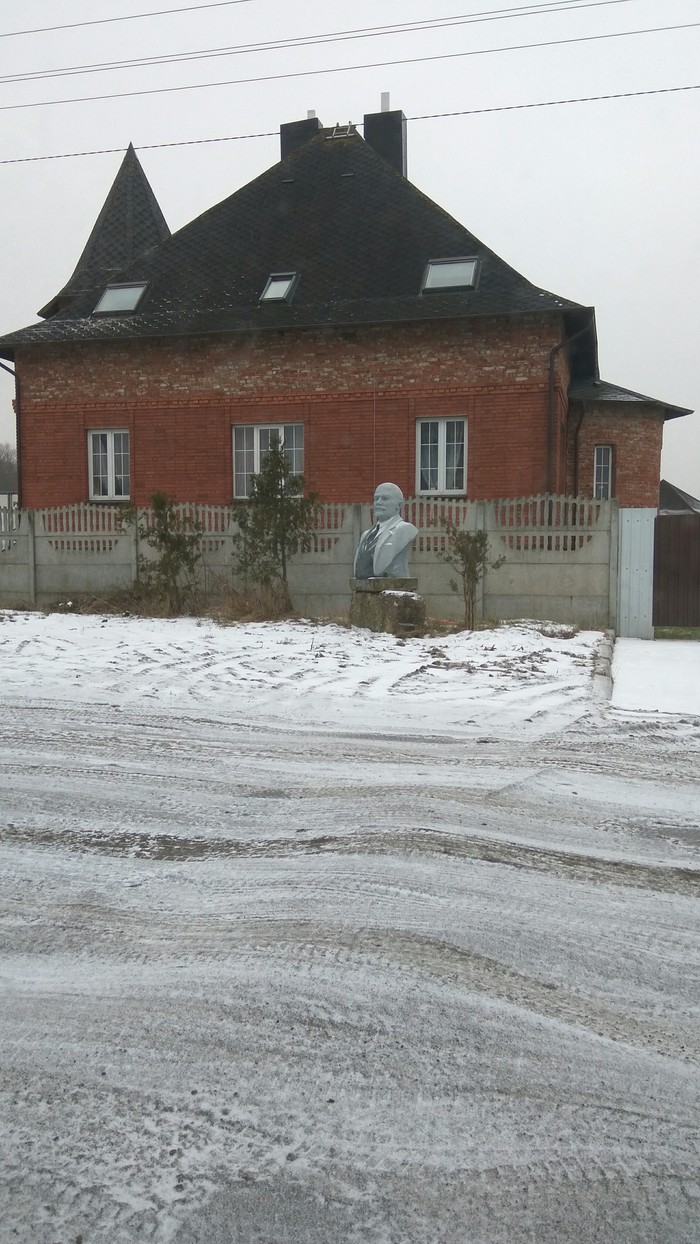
<point x="677" y="570"/>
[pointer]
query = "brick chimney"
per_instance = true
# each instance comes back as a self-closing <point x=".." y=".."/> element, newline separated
<point x="294" y="134"/>
<point x="386" y="132"/>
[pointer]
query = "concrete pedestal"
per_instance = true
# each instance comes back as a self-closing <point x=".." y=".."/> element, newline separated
<point x="388" y="605"/>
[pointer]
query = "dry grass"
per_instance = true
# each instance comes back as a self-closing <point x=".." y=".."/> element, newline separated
<point x="258" y="604"/>
<point x="222" y="603"/>
<point x="677" y="632"/>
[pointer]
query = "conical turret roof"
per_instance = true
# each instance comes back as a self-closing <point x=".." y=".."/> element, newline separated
<point x="129" y="224"/>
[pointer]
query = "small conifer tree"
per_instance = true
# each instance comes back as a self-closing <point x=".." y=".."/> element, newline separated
<point x="275" y="523"/>
<point x="466" y="552"/>
<point x="176" y="541"/>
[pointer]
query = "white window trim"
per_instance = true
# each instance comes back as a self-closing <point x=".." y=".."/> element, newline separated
<point x="441" y="490"/>
<point x="111" y="494"/>
<point x="611" y="459"/>
<point x="278" y="429"/>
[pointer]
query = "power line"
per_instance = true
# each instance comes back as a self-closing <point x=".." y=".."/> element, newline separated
<point x="129" y="17"/>
<point x="312" y="73"/>
<point x="185" y="142"/>
<point x="551" y="103"/>
<point x="334" y="36"/>
<point x="427" y="116"/>
<point x="190" y="8"/>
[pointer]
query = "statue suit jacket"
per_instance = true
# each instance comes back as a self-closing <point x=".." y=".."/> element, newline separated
<point x="392" y="539"/>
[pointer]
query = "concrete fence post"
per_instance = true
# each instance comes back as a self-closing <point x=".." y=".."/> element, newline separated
<point x="133" y="532"/>
<point x="614" y="536"/>
<point x="31" y="556"/>
<point x="356" y="529"/>
<point x="480" y="525"/>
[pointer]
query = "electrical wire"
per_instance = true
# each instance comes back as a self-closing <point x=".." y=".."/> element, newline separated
<point x="312" y="73"/>
<point x="190" y="8"/>
<point x="185" y="142"/>
<point x="127" y="17"/>
<point x="336" y="36"/>
<point x="552" y="103"/>
<point x="427" y="116"/>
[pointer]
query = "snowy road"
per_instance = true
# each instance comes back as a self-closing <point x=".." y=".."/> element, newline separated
<point x="315" y="936"/>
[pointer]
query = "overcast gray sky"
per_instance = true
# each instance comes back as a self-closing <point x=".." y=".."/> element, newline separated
<point x="596" y="201"/>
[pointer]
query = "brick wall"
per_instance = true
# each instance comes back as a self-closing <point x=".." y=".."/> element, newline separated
<point x="358" y="393"/>
<point x="635" y="435"/>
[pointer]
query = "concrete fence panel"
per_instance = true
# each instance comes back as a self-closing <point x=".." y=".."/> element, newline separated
<point x="560" y="555"/>
<point x="16" y="557"/>
<point x="81" y="548"/>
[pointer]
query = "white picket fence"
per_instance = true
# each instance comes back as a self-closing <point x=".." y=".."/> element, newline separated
<point x="560" y="555"/>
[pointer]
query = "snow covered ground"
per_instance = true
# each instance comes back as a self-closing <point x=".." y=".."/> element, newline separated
<point x="659" y="677"/>
<point x="315" y="935"/>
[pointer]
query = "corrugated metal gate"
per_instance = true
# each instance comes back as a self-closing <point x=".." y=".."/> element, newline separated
<point x="677" y="570"/>
<point x="635" y="584"/>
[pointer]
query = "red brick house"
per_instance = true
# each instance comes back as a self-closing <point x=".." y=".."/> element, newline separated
<point x="332" y="302"/>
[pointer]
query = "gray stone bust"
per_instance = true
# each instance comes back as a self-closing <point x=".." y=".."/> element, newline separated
<point x="383" y="549"/>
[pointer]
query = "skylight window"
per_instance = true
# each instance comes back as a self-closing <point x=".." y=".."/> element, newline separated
<point x="280" y="287"/>
<point x="442" y="274"/>
<point x="120" y="298"/>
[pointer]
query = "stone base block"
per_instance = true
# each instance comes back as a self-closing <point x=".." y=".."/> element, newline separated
<point x="384" y="585"/>
<point x="391" y="606"/>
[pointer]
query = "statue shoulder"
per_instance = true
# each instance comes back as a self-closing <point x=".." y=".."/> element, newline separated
<point x="408" y="527"/>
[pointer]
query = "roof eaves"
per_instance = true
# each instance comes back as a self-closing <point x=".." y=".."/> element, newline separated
<point x="603" y="392"/>
<point x="256" y="318"/>
<point x="668" y="493"/>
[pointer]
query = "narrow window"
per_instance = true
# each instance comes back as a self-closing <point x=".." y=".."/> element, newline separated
<point x="116" y="298"/>
<point x="602" y="472"/>
<point x="243" y="460"/>
<point x="280" y="287"/>
<point x="108" y="465"/>
<point x="252" y="441"/>
<point x="442" y="274"/>
<point x="293" y="442"/>
<point x="441" y="455"/>
<point x="454" y="455"/>
<point x="429" y="476"/>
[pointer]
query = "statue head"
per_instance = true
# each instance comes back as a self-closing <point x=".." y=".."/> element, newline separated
<point x="388" y="501"/>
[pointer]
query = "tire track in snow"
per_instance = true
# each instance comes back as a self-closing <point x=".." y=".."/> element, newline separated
<point x="163" y="847"/>
<point x="464" y="969"/>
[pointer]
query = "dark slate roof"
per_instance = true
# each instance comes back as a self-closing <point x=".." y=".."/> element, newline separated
<point x="604" y="392"/>
<point x="674" y="500"/>
<point x="129" y="224"/>
<point x="357" y="232"/>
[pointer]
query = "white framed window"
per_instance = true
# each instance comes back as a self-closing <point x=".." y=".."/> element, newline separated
<point x="251" y="442"/>
<point x="108" y="464"/>
<point x="443" y="274"/>
<point x="441" y="455"/>
<point x="603" y="472"/>
<point x="116" y="298"/>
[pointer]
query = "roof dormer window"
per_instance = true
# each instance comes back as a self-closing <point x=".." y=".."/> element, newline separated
<point x="443" y="274"/>
<point x="280" y="287"/>
<point x="117" y="298"/>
